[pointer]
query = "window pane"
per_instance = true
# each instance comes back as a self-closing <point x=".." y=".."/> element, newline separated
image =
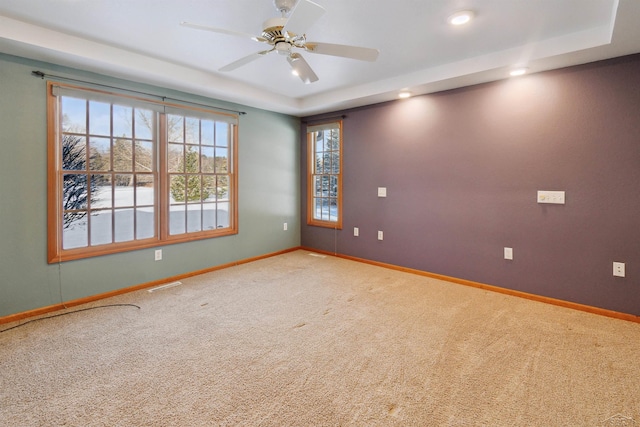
<point x="145" y="190"/>
<point x="207" y="159"/>
<point x="194" y="218"/>
<point x="145" y="224"/>
<point x="325" y="185"/>
<point x="319" y="142"/>
<point x="123" y="155"/>
<point x="176" y="158"/>
<point x="333" y="187"/>
<point x="209" y="216"/>
<point x="319" y="163"/>
<point x="222" y="134"/>
<point x="222" y="215"/>
<point x="74" y="153"/>
<point x="317" y="208"/>
<point x="177" y="188"/>
<point x="123" y="225"/>
<point x="99" y="118"/>
<point x="222" y="160"/>
<point x="209" y="188"/>
<point x="145" y="124"/>
<point x="101" y="194"/>
<point x="144" y="156"/>
<point x="192" y="126"/>
<point x="122" y="121"/>
<point x="99" y="154"/>
<point x="177" y="219"/>
<point x="101" y="226"/>
<point x="175" y="128"/>
<point x="325" y="208"/>
<point x="333" y="209"/>
<point x="206" y="132"/>
<point x="332" y="139"/>
<point x="222" y="191"/>
<point x="74" y="115"/>
<point x="75" y="191"/>
<point x="74" y="232"/>
<point x="194" y="189"/>
<point x="192" y="160"/>
<point x="123" y="195"/>
<point x="317" y="186"/>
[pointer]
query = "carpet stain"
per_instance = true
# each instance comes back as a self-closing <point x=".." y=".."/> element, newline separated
<point x="299" y="325"/>
<point x="327" y="311"/>
<point x="394" y="410"/>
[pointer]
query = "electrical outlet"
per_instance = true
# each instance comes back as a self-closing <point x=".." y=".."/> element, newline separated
<point x="618" y="269"/>
<point x="285" y="227"/>
<point x="158" y="254"/>
<point x="380" y="235"/>
<point x="508" y="253"/>
<point x="356" y="231"/>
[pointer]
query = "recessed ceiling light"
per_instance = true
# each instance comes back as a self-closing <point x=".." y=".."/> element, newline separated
<point x="404" y="94"/>
<point x="518" y="72"/>
<point x="461" y="18"/>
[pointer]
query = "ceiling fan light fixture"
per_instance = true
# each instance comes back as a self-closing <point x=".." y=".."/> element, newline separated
<point x="283" y="48"/>
<point x="461" y="18"/>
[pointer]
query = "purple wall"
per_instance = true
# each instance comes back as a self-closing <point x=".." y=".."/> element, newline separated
<point x="462" y="169"/>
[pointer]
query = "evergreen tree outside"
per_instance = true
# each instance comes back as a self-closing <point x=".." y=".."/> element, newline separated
<point x="188" y="187"/>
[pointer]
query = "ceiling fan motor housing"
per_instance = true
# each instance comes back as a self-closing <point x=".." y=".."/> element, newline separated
<point x="274" y="35"/>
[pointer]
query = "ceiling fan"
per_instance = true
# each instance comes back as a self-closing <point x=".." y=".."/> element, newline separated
<point x="285" y="34"/>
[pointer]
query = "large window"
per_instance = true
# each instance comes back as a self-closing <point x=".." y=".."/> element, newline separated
<point x="127" y="173"/>
<point x="324" y="179"/>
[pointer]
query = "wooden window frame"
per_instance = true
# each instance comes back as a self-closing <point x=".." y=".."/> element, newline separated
<point x="311" y="175"/>
<point x="162" y="236"/>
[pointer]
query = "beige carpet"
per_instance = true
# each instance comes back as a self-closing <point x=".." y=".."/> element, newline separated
<point x="301" y="340"/>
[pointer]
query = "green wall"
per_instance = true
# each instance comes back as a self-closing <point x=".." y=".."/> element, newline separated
<point x="269" y="194"/>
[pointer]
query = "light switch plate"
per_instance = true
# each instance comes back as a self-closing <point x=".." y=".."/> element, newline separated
<point x="382" y="191"/>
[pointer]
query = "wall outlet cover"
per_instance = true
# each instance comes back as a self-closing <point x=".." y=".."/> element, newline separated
<point x="508" y="253"/>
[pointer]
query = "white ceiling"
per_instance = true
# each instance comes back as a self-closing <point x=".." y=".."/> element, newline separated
<point x="142" y="40"/>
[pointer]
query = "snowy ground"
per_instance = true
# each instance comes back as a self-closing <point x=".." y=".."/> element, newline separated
<point x="139" y="223"/>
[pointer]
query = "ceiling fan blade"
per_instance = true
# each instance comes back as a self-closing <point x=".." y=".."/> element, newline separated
<point x="303" y="16"/>
<point x="222" y="31"/>
<point x="302" y="68"/>
<point x="354" y="52"/>
<point x="244" y="61"/>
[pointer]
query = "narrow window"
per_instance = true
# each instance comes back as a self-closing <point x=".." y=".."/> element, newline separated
<point x="125" y="173"/>
<point x="324" y="195"/>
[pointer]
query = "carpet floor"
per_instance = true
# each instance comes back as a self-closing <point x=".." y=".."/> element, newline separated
<point x="302" y="340"/>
